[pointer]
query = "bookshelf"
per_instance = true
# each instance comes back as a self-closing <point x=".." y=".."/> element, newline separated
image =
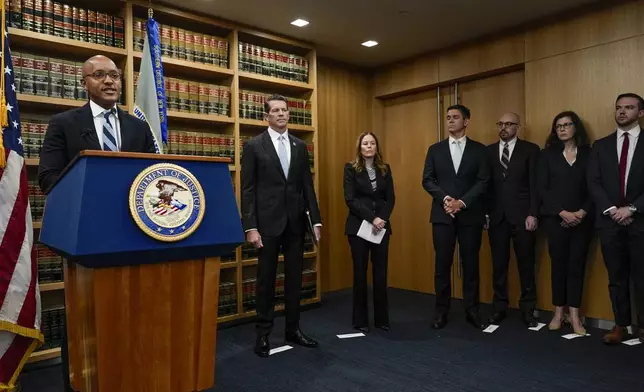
<point x="228" y="74"/>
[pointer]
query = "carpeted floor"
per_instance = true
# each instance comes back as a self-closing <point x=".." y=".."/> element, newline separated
<point x="412" y="357"/>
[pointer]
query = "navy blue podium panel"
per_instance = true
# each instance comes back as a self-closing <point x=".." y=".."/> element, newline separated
<point x="87" y="215"/>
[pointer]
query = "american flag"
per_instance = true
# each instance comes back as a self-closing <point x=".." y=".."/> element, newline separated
<point x="20" y="331"/>
<point x="165" y="209"/>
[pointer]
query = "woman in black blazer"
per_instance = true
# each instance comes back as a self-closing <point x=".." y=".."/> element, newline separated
<point x="561" y="178"/>
<point x="369" y="194"/>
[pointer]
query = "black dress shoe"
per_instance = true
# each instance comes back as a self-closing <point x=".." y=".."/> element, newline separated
<point x="440" y="321"/>
<point x="299" y="338"/>
<point x="362" y="329"/>
<point x="475" y="319"/>
<point x="262" y="346"/>
<point x="529" y="320"/>
<point x="497" y="317"/>
<point x="641" y="333"/>
<point x="384" y="327"/>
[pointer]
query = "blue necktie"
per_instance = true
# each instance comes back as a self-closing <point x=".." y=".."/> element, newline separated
<point x="109" y="134"/>
<point x="281" y="152"/>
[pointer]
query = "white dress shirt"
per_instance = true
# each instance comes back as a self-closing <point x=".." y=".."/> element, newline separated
<point x="287" y="142"/>
<point x="511" y="145"/>
<point x="632" y="143"/>
<point x="99" y="121"/>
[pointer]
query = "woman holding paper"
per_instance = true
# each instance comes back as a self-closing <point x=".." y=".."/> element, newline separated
<point x="369" y="194"/>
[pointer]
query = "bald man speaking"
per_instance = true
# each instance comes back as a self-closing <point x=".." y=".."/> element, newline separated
<point x="98" y="125"/>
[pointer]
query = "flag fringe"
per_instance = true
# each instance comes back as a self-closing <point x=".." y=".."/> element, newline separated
<point x="12" y="382"/>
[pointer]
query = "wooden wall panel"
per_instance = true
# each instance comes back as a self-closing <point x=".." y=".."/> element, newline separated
<point x="475" y="59"/>
<point x="344" y="107"/>
<point x="410" y="127"/>
<point x="586" y="81"/>
<point x="609" y="25"/>
<point x="407" y="75"/>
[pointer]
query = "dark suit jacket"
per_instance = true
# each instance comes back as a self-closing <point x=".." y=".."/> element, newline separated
<point x="365" y="203"/>
<point x="561" y="186"/>
<point x="469" y="184"/>
<point x="603" y="180"/>
<point x="515" y="197"/>
<point x="72" y="131"/>
<point x="269" y="201"/>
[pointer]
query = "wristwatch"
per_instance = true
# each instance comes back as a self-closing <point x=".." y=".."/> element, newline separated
<point x="632" y="208"/>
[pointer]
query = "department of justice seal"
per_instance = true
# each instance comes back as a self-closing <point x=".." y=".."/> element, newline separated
<point x="167" y="202"/>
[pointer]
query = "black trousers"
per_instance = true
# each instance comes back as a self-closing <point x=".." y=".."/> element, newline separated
<point x="568" y="248"/>
<point x="469" y="239"/>
<point x="379" y="255"/>
<point x="291" y="242"/>
<point x="623" y="249"/>
<point x="500" y="235"/>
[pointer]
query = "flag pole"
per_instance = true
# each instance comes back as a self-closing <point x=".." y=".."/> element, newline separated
<point x="4" y="118"/>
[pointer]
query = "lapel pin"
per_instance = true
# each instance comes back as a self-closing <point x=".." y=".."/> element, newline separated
<point x="293" y="144"/>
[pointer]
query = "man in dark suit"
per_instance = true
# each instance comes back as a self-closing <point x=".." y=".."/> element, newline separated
<point x="99" y="125"/>
<point x="456" y="176"/>
<point x="277" y="190"/>
<point x="513" y="208"/>
<point x="616" y="183"/>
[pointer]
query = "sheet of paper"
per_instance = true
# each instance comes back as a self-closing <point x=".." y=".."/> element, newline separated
<point x="632" y="342"/>
<point x="491" y="328"/>
<point x="574" y="336"/>
<point x="538" y="327"/>
<point x="366" y="233"/>
<point x="351" y="335"/>
<point x="279" y="349"/>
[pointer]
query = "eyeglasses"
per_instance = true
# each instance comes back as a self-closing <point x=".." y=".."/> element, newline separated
<point x="100" y="75"/>
<point x="507" y="124"/>
<point x="567" y="125"/>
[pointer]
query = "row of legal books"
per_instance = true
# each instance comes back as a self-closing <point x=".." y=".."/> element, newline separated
<point x="33" y="129"/>
<point x="249" y="289"/>
<point x="183" y="44"/>
<point x="251" y="106"/>
<point x="227" y="299"/>
<point x="62" y="20"/>
<point x="269" y="62"/>
<point x="250" y="252"/>
<point x="48" y="77"/>
<point x="36" y="200"/>
<point x="201" y="144"/>
<point x="52" y="325"/>
<point x="193" y="97"/>
<point x="50" y="265"/>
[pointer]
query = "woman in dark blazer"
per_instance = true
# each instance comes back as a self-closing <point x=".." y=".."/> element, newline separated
<point x="369" y="194"/>
<point x="561" y="179"/>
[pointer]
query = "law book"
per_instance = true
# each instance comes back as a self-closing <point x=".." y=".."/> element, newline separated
<point x="76" y="23"/>
<point x="47" y="17"/>
<point x="173" y="100"/>
<point x="101" y="19"/>
<point x="193" y="96"/>
<point x="208" y="50"/>
<point x="69" y="79"/>
<point x="82" y="21"/>
<point x="81" y="94"/>
<point x="224" y="100"/>
<point x="68" y="22"/>
<point x="164" y="33"/>
<point x="108" y="31"/>
<point x="243" y="58"/>
<point x="15" y="17"/>
<point x="223" y="52"/>
<point x="41" y="76"/>
<point x="203" y="98"/>
<point x="184" y="96"/>
<point x="38" y="16"/>
<point x="138" y="35"/>
<point x="190" y="45"/>
<point x="28" y="15"/>
<point x="17" y="69"/>
<point x="174" y="42"/>
<point x="92" y="22"/>
<point x="198" y="48"/>
<point x="27" y="74"/>
<point x="181" y="40"/>
<point x="213" y="99"/>
<point x="199" y="150"/>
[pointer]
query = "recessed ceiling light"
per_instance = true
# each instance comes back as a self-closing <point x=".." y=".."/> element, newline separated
<point x="300" y="22"/>
<point x="369" y="44"/>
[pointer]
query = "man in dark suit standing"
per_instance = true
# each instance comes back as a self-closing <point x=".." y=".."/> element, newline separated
<point x="456" y="176"/>
<point x="98" y="125"/>
<point x="616" y="183"/>
<point x="277" y="190"/>
<point x="513" y="208"/>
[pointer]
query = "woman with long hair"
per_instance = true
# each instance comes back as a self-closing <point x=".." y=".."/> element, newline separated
<point x="561" y="178"/>
<point x="369" y="194"/>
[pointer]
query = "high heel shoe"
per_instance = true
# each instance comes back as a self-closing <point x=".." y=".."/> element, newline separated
<point x="555" y="324"/>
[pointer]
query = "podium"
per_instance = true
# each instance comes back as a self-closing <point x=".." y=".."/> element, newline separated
<point x="141" y="313"/>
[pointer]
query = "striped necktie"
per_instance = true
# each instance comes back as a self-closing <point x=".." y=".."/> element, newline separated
<point x="505" y="159"/>
<point x="109" y="133"/>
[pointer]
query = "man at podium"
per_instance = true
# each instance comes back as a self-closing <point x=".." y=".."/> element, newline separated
<point x="277" y="191"/>
<point x="98" y="125"/>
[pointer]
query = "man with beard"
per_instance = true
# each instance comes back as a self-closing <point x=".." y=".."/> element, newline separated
<point x="513" y="208"/>
<point x="616" y="183"/>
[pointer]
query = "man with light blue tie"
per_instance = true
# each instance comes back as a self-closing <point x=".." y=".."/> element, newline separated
<point x="277" y="191"/>
<point x="98" y="125"/>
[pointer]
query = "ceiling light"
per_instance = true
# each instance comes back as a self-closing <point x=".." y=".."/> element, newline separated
<point x="300" y="22"/>
<point x="369" y="44"/>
